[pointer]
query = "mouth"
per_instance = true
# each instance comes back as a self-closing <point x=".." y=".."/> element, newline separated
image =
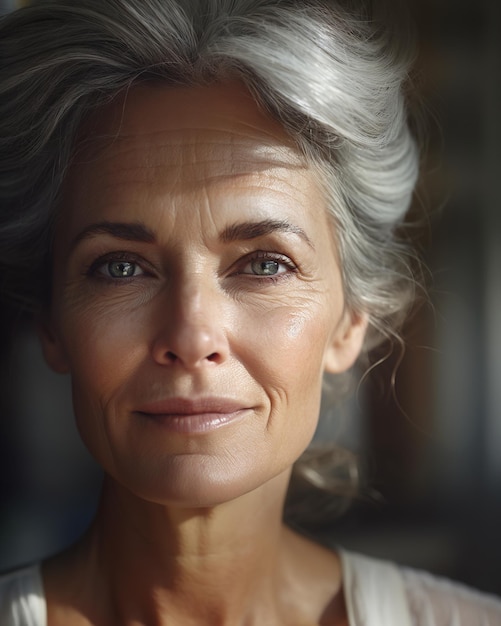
<point x="202" y="415"/>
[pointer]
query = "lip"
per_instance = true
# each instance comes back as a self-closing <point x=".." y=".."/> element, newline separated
<point x="192" y="416"/>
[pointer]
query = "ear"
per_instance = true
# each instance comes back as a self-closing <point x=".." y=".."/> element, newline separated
<point x="346" y="342"/>
<point x="52" y="347"/>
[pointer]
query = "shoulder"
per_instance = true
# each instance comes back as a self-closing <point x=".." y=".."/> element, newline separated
<point x="22" y="601"/>
<point x="404" y="596"/>
<point x="439" y="602"/>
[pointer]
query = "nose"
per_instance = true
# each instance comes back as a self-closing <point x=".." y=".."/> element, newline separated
<point x="191" y="332"/>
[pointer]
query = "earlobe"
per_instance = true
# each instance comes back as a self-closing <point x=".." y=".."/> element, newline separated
<point x="52" y="348"/>
<point x="346" y="343"/>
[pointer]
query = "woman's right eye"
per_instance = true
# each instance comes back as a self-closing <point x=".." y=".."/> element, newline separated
<point x="115" y="268"/>
<point x="121" y="269"/>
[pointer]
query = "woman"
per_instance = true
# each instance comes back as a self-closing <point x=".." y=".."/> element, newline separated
<point x="199" y="204"/>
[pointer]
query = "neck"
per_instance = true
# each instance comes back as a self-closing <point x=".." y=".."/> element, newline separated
<point x="227" y="562"/>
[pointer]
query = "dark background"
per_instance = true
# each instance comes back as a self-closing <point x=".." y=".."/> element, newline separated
<point x="432" y="447"/>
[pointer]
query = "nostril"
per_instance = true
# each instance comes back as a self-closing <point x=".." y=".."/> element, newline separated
<point x="173" y="357"/>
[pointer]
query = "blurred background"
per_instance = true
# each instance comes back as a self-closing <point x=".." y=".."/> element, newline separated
<point x="431" y="447"/>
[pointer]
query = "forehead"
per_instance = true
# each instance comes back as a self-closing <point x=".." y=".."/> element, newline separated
<point x="211" y="146"/>
<point x="180" y="128"/>
<point x="156" y="143"/>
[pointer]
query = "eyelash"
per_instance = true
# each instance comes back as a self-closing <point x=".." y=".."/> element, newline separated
<point x="92" y="270"/>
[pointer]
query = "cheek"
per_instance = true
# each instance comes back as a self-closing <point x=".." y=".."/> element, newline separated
<point x="291" y="373"/>
<point x="303" y="328"/>
<point x="284" y="348"/>
<point x="102" y="348"/>
<point x="103" y="352"/>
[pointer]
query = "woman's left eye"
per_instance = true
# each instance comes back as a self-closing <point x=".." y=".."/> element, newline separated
<point x="264" y="266"/>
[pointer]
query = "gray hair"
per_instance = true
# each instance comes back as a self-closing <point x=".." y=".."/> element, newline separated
<point x="328" y="70"/>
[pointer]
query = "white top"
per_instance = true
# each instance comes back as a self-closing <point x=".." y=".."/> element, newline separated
<point x="377" y="594"/>
<point x="382" y="594"/>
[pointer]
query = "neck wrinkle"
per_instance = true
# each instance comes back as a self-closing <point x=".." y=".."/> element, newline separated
<point x="216" y="566"/>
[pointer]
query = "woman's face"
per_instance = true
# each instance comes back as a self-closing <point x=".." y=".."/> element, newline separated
<point x="197" y="297"/>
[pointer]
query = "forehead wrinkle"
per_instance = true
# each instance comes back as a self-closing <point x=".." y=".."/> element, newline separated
<point x="267" y="180"/>
<point x="200" y="163"/>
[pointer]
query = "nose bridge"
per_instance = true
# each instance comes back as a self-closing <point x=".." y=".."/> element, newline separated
<point x="195" y="302"/>
<point x="193" y="331"/>
<point x="193" y="296"/>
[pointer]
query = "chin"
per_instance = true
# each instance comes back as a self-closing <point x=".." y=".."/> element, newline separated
<point x="195" y="481"/>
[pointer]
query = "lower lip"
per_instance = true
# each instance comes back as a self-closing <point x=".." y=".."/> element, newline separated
<point x="199" y="423"/>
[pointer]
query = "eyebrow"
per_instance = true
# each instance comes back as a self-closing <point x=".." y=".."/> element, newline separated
<point x="243" y="231"/>
<point x="133" y="231"/>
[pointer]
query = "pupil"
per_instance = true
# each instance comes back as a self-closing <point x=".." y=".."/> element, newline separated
<point x="265" y="268"/>
<point x="121" y="269"/>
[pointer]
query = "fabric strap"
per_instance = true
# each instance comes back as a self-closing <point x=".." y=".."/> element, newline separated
<point x="22" y="601"/>
<point x="374" y="592"/>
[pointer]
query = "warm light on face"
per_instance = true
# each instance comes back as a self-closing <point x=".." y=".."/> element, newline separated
<point x="197" y="297"/>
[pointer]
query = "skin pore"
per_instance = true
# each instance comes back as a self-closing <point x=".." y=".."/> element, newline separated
<point x="197" y="302"/>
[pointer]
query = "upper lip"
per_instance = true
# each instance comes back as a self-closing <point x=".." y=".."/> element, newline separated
<point x="188" y="406"/>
